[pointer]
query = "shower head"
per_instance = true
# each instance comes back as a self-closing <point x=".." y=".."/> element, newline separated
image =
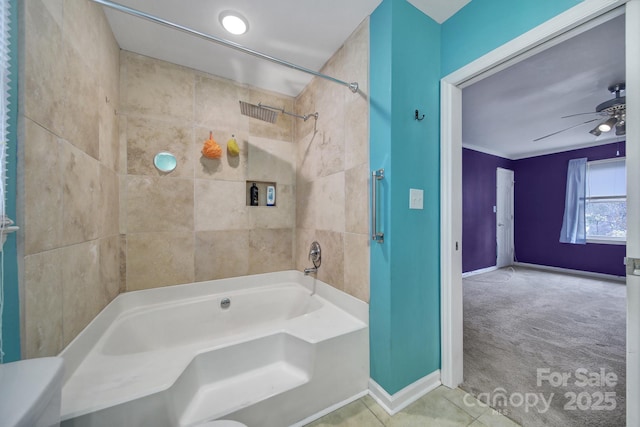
<point x="258" y="112"/>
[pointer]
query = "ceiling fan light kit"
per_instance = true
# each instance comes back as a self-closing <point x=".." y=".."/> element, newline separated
<point x="608" y="124"/>
<point x="596" y="131"/>
<point x="615" y="109"/>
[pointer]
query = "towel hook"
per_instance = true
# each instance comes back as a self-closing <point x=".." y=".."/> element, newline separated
<point x="418" y="118"/>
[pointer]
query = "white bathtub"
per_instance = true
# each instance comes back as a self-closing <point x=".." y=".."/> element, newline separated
<point x="288" y="349"/>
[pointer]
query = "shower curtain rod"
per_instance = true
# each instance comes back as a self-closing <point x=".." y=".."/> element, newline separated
<point x="125" y="9"/>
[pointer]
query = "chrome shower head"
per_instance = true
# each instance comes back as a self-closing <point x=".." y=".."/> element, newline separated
<point x="258" y="112"/>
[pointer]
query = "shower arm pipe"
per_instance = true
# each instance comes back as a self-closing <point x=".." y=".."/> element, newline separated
<point x="353" y="86"/>
<point x="283" y="111"/>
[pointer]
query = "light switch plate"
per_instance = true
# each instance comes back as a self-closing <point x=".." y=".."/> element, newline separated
<point x="416" y="199"/>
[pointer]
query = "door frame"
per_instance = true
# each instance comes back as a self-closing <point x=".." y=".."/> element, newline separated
<point x="511" y="222"/>
<point x="549" y="33"/>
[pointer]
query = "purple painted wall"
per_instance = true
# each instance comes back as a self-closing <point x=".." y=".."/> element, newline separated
<point x="478" y="200"/>
<point x="539" y="208"/>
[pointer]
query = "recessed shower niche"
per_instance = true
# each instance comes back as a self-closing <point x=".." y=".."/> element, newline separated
<point x="266" y="191"/>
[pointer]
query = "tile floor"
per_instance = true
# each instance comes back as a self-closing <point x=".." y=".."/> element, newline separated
<point x="443" y="407"/>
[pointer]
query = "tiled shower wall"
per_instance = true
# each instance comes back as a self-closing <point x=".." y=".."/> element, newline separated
<point x="97" y="217"/>
<point x="67" y="173"/>
<point x="332" y="192"/>
<point x="193" y="224"/>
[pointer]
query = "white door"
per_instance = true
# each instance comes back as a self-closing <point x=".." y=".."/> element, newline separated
<point x="633" y="211"/>
<point x="504" y="217"/>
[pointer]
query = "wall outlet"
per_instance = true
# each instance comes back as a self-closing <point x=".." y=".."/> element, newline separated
<point x="416" y="199"/>
<point x="495" y="209"/>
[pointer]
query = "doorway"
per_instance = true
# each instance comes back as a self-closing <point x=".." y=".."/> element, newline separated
<point x="451" y="159"/>
<point x="504" y="217"/>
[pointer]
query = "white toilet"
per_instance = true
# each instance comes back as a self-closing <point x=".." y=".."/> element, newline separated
<point x="30" y="392"/>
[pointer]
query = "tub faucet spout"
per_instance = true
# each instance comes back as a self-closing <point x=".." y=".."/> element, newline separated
<point x="311" y="270"/>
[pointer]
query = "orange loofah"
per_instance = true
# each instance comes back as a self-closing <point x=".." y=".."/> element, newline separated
<point x="211" y="148"/>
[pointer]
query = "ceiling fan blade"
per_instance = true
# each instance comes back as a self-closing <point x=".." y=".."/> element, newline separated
<point x="581" y="114"/>
<point x="566" y="129"/>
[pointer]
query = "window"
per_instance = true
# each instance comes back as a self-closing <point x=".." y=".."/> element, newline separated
<point x="606" y="201"/>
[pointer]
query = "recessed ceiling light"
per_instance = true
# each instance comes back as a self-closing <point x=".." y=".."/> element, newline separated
<point x="233" y="22"/>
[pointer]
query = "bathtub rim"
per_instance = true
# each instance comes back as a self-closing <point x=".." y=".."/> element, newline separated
<point x="76" y="351"/>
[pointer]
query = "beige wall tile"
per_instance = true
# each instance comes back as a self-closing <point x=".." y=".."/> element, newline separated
<point x="80" y="283"/>
<point x="81" y="31"/>
<point x="271" y="160"/>
<point x="217" y="104"/>
<point x="123" y="263"/>
<point x="356" y="265"/>
<point x="282" y="129"/>
<point x="148" y="137"/>
<point x="157" y="89"/>
<point x="307" y="158"/>
<point x="332" y="269"/>
<point x="108" y="131"/>
<point x="109" y="207"/>
<point x="159" y="204"/>
<point x="332" y="169"/>
<point x="303" y="239"/>
<point x="356" y="58"/>
<point x="71" y="200"/>
<point x="330" y="205"/>
<point x="81" y="196"/>
<point x="356" y="143"/>
<point x="43" y="304"/>
<point x="122" y="142"/>
<point x="357" y="199"/>
<point x="221" y="254"/>
<point x="306" y="204"/>
<point x="220" y="205"/>
<point x="109" y="59"/>
<point x="81" y="104"/>
<point x="270" y="250"/>
<point x="227" y="168"/>
<point x="330" y="148"/>
<point x="43" y="189"/>
<point x="305" y="103"/>
<point x="109" y="250"/>
<point x="42" y="86"/>
<point x="159" y="259"/>
<point x="282" y="215"/>
<point x="122" y="195"/>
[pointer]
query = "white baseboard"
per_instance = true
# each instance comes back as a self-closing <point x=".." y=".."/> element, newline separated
<point x="570" y="271"/>
<point x="480" y="271"/>
<point x="403" y="398"/>
<point x="330" y="409"/>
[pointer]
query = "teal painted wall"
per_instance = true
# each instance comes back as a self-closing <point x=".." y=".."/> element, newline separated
<point x="409" y="53"/>
<point x="11" y="312"/>
<point x="405" y="299"/>
<point x="483" y="25"/>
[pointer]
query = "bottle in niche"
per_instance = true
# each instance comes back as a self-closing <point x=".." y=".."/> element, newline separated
<point x="254" y="195"/>
<point x="271" y="195"/>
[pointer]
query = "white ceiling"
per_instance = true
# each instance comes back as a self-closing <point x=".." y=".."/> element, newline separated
<point x="304" y="32"/>
<point x="439" y="10"/>
<point x="505" y="112"/>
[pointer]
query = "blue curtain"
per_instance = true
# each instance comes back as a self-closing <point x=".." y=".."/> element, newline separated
<point x="573" y="223"/>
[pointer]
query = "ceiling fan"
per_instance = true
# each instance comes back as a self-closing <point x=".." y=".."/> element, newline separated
<point x="614" y="111"/>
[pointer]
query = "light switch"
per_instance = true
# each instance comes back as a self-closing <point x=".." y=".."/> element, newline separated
<point x="416" y="199"/>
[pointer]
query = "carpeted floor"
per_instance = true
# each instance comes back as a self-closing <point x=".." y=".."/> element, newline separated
<point x="531" y="335"/>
